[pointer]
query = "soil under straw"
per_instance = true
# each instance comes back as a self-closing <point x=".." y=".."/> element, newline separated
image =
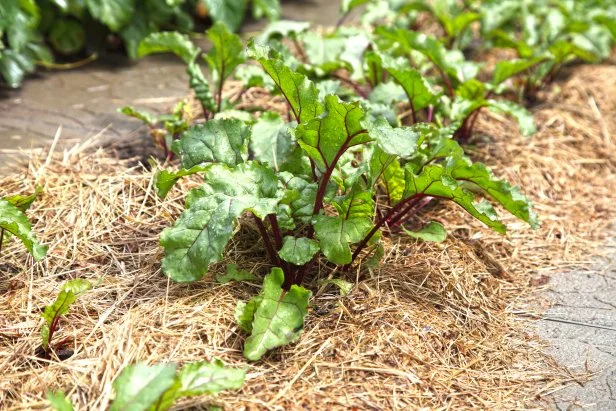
<point x="436" y="326"/>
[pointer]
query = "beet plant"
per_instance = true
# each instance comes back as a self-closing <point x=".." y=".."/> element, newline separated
<point x="324" y="186"/>
<point x="14" y="222"/>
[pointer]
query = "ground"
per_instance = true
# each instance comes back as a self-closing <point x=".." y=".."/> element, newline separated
<point x="585" y="339"/>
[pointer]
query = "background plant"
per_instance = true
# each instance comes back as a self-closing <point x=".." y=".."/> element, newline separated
<point x="32" y="31"/>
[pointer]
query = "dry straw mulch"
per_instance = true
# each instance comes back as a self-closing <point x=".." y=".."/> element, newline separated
<point x="436" y="326"/>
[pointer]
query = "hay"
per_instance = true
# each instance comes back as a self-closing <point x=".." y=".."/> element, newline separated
<point x="436" y="326"/>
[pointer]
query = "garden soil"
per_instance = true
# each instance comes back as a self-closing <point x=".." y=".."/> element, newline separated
<point x="435" y="326"/>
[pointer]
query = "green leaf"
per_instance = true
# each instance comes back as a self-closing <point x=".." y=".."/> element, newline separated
<point x="114" y="13"/>
<point x="298" y="251"/>
<point x="521" y="114"/>
<point x="282" y="29"/>
<point x="401" y="141"/>
<point x="300" y="195"/>
<point x="271" y="140"/>
<point x="22" y="202"/>
<point x="436" y="181"/>
<point x="67" y="296"/>
<point x="336" y="233"/>
<point x="508" y="68"/>
<point x="226" y="54"/>
<point x="217" y="141"/>
<point x="433" y="231"/>
<point x="279" y="317"/>
<point x="300" y="93"/>
<point x="201" y="378"/>
<point x="326" y="138"/>
<point x="415" y="86"/>
<point x="168" y="42"/>
<point x="139" y="386"/>
<point x="348" y="5"/>
<point x="200" y="85"/>
<point x="460" y="22"/>
<point x="67" y="36"/>
<point x="233" y="274"/>
<point x="165" y="180"/>
<point x="508" y="196"/>
<point x="345" y="287"/>
<point x="145" y="116"/>
<point x="245" y="313"/>
<point x="386" y="169"/>
<point x="59" y="402"/>
<point x="15" y="222"/>
<point x="229" y="12"/>
<point x="267" y="8"/>
<point x="200" y="235"/>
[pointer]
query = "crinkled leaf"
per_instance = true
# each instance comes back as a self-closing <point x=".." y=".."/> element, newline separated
<point x="15" y="222"/>
<point x="139" y="386"/>
<point x="216" y="141"/>
<point x="335" y="234"/>
<point x="300" y="195"/>
<point x="400" y="141"/>
<point x="356" y="204"/>
<point x="271" y="140"/>
<point x="417" y="90"/>
<point x="233" y="274"/>
<point x="168" y="42"/>
<point x="279" y="317"/>
<point x="59" y="402"/>
<point x="245" y="313"/>
<point x="433" y="231"/>
<point x="300" y="93"/>
<point x="200" y="85"/>
<point x="200" y="235"/>
<point x="326" y="138"/>
<point x="298" y="251"/>
<point x="200" y="378"/>
<point x="229" y="12"/>
<point x="226" y="54"/>
<point x="114" y="13"/>
<point x="387" y="93"/>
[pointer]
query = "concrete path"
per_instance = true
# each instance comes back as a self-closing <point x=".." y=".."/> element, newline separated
<point x="585" y="339"/>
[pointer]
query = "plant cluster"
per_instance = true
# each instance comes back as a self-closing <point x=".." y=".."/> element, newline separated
<point x="32" y="31"/>
<point x="141" y="387"/>
<point x="372" y="134"/>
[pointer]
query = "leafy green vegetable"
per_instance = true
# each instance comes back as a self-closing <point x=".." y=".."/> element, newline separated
<point x="158" y="387"/>
<point x="279" y="316"/>
<point x="298" y="251"/>
<point x="52" y="313"/>
<point x="200" y="235"/>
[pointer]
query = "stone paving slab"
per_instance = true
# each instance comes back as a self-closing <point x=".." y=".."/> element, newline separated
<point x="582" y="331"/>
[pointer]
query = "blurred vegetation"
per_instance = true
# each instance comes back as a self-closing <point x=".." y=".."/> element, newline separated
<point x="39" y="32"/>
